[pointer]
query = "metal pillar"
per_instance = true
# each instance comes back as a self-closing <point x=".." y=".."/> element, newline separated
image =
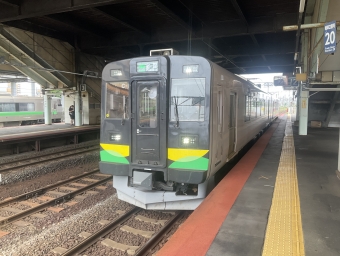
<point x="338" y="171"/>
<point x="47" y="109"/>
<point x="13" y="89"/>
<point x="77" y="110"/>
<point x="322" y="7"/>
<point x="33" y="89"/>
<point x="297" y="106"/>
<point x="303" y="109"/>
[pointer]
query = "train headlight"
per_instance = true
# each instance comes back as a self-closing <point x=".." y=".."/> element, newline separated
<point x="186" y="140"/>
<point x="115" y="137"/>
<point x="189" y="141"/>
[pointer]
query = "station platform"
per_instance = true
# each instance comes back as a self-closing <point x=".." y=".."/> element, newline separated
<point x="20" y="139"/>
<point x="282" y="198"/>
<point x="28" y="131"/>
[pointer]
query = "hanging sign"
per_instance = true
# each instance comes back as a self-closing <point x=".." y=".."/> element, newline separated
<point x="330" y="37"/>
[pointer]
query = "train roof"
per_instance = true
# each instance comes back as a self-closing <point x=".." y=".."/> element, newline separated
<point x="251" y="85"/>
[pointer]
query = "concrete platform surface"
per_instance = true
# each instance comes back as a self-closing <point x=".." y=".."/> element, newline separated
<point x="31" y="129"/>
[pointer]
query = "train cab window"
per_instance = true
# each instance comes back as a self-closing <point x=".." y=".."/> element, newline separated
<point x="7" y="107"/>
<point x="148" y="109"/>
<point x="117" y="100"/>
<point x="187" y="99"/>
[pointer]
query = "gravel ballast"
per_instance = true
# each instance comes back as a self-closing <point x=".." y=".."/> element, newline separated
<point x="65" y="233"/>
<point x="37" y="170"/>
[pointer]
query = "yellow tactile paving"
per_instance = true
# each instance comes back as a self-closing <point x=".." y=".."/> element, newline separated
<point x="284" y="234"/>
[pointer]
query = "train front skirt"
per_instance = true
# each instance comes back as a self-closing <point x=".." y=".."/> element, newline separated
<point x="158" y="200"/>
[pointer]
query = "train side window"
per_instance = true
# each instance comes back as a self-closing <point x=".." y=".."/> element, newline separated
<point x="117" y="100"/>
<point x="187" y="99"/>
<point x="92" y="106"/>
<point x="247" y="108"/>
<point x="22" y="107"/>
<point x="26" y="106"/>
<point x="253" y="108"/>
<point x="7" y="107"/>
<point x="258" y="107"/>
<point x="219" y="111"/>
<point x="97" y="105"/>
<point x="30" y="107"/>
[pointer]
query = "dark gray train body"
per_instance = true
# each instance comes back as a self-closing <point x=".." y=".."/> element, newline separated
<point x="170" y="123"/>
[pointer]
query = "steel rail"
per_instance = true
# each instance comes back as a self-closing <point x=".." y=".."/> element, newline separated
<point x="43" y="155"/>
<point x="157" y="237"/>
<point x="44" y="189"/>
<point x="150" y="244"/>
<point x="45" y="160"/>
<point x="50" y="203"/>
<point x="102" y="232"/>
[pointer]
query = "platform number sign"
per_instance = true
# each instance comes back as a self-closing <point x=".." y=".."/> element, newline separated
<point x="330" y="37"/>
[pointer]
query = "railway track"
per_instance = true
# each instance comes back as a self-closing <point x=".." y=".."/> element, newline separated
<point x="47" y="201"/>
<point x="9" y="166"/>
<point x="118" y="223"/>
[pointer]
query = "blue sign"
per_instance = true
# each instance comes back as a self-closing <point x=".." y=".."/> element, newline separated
<point x="330" y="37"/>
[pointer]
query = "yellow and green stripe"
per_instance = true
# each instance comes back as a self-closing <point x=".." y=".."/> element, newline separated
<point x="114" y="153"/>
<point x="191" y="159"/>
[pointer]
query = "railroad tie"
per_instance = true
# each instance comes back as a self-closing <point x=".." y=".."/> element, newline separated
<point x="130" y="249"/>
<point x="146" y="234"/>
<point x="153" y="221"/>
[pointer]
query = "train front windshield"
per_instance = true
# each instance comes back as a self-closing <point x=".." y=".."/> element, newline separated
<point x="187" y="99"/>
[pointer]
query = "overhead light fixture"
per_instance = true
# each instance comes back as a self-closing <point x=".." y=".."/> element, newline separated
<point x="302" y="6"/>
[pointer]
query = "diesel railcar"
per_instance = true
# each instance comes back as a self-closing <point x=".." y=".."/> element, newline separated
<point x="169" y="123"/>
<point x="27" y="110"/>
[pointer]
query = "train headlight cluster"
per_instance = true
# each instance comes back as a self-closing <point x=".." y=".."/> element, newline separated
<point x="115" y="137"/>
<point x="189" y="141"/>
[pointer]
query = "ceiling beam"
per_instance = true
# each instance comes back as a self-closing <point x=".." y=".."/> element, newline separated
<point x="21" y="66"/>
<point x="171" y="14"/>
<point x="284" y="61"/>
<point x="243" y="17"/>
<point x="258" y="70"/>
<point x="37" y="8"/>
<point x="41" y="30"/>
<point x="18" y="48"/>
<point x="223" y="29"/>
<point x="124" y="23"/>
<point x="11" y="80"/>
<point x="15" y="5"/>
<point x="67" y="22"/>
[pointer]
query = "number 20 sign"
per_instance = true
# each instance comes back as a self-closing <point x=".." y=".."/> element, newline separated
<point x="330" y="37"/>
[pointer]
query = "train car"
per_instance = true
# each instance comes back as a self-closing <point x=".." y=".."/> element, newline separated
<point x="169" y="123"/>
<point x="18" y="110"/>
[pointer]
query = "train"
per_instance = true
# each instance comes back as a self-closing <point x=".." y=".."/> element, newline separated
<point x="170" y="123"/>
<point x="22" y="110"/>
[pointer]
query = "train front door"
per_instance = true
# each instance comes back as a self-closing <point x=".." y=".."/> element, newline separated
<point x="232" y="125"/>
<point x="148" y="123"/>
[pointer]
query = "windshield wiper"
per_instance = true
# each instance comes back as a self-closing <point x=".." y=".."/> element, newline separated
<point x="124" y="113"/>
<point x="176" y="111"/>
